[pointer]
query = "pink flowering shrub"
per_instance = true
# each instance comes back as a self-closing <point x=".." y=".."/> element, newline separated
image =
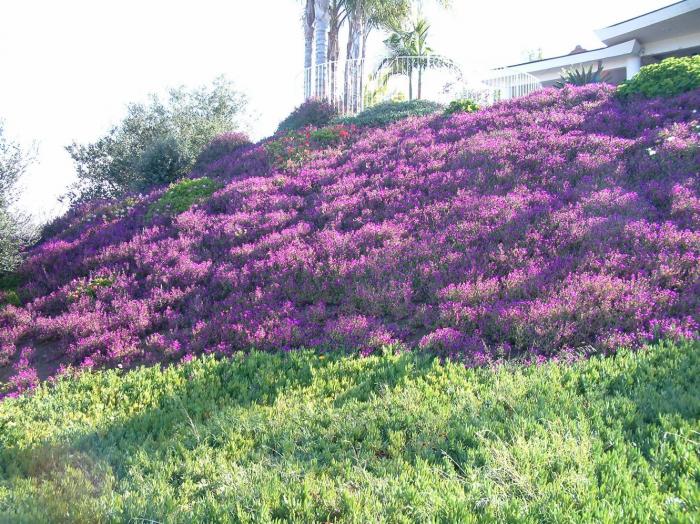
<point x="564" y="222"/>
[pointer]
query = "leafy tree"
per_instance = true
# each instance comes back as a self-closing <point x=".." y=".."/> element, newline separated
<point x="157" y="142"/>
<point x="15" y="228"/>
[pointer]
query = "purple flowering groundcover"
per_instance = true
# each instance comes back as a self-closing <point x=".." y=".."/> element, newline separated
<point x="560" y="223"/>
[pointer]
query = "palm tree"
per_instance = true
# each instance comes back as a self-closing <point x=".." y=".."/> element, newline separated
<point x="364" y="16"/>
<point x="409" y="51"/>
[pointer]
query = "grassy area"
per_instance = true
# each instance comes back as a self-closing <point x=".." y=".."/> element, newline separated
<point x="396" y="438"/>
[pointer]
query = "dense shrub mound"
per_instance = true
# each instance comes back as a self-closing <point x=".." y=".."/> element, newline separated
<point x="389" y="112"/>
<point x="560" y="223"/>
<point x="669" y="77"/>
<point x="313" y="112"/>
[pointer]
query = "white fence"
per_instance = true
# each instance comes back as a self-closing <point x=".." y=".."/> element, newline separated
<point x="353" y="85"/>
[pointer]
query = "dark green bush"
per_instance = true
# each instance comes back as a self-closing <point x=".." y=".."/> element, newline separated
<point x="162" y="162"/>
<point x="221" y="146"/>
<point x="463" y="105"/>
<point x="313" y="112"/>
<point x="182" y="195"/>
<point x="388" y="112"/>
<point x="667" y="78"/>
<point x="9" y="282"/>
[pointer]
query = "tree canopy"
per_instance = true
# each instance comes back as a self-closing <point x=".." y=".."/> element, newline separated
<point x="157" y="142"/>
<point x="15" y="228"/>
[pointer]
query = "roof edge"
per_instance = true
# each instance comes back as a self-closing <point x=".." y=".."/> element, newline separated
<point x="652" y="17"/>
<point x="630" y="47"/>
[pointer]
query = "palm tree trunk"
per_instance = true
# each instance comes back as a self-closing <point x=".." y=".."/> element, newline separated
<point x="333" y="45"/>
<point x="321" y="30"/>
<point x="353" y="67"/>
<point x="420" y="80"/>
<point x="309" y="19"/>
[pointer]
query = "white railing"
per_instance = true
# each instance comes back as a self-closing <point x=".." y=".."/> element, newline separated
<point x="491" y="86"/>
<point x="353" y="85"/>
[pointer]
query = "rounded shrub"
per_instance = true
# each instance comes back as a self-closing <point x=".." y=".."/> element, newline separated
<point x="221" y="146"/>
<point x="388" y="112"/>
<point x="667" y="78"/>
<point x="163" y="162"/>
<point x="463" y="105"/>
<point x="314" y="112"/>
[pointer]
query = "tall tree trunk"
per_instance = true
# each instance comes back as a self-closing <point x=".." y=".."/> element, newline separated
<point x="309" y="20"/>
<point x="420" y="80"/>
<point x="321" y="31"/>
<point x="333" y="45"/>
<point x="353" y="66"/>
<point x="364" y="30"/>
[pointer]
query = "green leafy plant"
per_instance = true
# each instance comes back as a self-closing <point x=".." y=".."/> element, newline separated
<point x="9" y="297"/>
<point x="667" y="78"/>
<point x="463" y="105"/>
<point x="289" y="149"/>
<point x="9" y="282"/>
<point x="314" y="112"/>
<point x="330" y="135"/>
<point x="90" y="288"/>
<point x="388" y="112"/>
<point x="182" y="195"/>
<point x="580" y="77"/>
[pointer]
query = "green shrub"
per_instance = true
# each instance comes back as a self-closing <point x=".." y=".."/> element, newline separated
<point x="388" y="112"/>
<point x="221" y="146"/>
<point x="9" y="297"/>
<point x="9" y="282"/>
<point x="313" y="112"/>
<point x="289" y="150"/>
<point x="90" y="288"/>
<point x="329" y="136"/>
<point x="161" y="163"/>
<point x="667" y="78"/>
<point x="182" y="195"/>
<point x="463" y="105"/>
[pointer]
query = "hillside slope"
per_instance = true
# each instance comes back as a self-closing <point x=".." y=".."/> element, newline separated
<point x="561" y="223"/>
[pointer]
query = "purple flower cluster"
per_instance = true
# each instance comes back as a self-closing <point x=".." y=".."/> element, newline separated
<point x="561" y="222"/>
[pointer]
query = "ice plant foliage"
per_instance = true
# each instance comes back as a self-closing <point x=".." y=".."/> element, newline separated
<point x="537" y="228"/>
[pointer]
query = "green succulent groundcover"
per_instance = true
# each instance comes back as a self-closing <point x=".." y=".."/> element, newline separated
<point x="397" y="437"/>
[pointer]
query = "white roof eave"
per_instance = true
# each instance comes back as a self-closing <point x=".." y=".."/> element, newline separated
<point x="610" y="34"/>
<point x="631" y="47"/>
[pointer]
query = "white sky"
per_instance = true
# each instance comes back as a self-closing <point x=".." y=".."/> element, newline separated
<point x="68" y="68"/>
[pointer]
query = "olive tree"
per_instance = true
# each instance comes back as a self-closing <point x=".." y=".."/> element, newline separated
<point x="16" y="229"/>
<point x="157" y="142"/>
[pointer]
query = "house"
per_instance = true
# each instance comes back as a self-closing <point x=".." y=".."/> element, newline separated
<point x="673" y="30"/>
